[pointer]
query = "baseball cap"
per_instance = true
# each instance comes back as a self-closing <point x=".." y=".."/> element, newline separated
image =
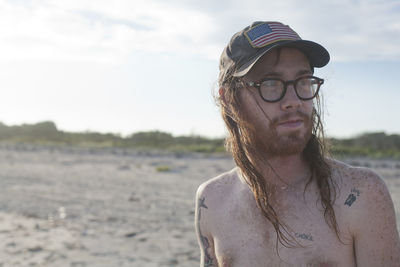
<point x="247" y="46"/>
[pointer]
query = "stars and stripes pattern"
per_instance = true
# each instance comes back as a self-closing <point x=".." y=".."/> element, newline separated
<point x="271" y="32"/>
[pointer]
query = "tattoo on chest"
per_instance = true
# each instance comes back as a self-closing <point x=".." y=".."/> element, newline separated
<point x="354" y="193"/>
<point x="208" y="260"/>
<point x="304" y="236"/>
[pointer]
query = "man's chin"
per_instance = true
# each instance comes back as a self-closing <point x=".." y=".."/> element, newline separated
<point x="287" y="144"/>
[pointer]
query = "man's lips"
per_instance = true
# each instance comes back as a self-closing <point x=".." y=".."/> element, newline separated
<point x="294" y="122"/>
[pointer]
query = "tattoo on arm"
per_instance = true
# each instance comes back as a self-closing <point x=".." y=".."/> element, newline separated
<point x="354" y="193"/>
<point x="205" y="244"/>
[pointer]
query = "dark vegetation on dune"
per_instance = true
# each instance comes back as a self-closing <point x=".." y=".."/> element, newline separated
<point x="373" y="145"/>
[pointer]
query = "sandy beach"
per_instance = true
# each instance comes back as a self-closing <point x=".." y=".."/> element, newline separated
<point x="111" y="207"/>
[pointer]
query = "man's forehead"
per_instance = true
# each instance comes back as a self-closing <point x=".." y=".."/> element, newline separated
<point x="276" y="54"/>
<point x="278" y="60"/>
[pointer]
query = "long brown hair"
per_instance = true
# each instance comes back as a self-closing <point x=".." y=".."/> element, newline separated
<point x="239" y="145"/>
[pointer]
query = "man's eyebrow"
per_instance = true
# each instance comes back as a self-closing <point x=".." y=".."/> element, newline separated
<point x="303" y="72"/>
<point x="279" y="74"/>
<point x="272" y="73"/>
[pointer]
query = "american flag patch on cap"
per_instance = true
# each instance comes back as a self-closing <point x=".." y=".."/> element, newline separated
<point x="271" y="32"/>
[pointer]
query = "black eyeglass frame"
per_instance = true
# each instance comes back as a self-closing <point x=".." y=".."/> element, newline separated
<point x="285" y="85"/>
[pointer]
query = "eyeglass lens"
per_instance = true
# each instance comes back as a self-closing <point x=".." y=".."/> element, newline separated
<point x="272" y="89"/>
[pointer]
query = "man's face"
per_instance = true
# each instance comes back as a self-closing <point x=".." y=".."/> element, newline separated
<point x="281" y="128"/>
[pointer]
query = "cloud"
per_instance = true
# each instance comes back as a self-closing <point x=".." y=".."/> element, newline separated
<point x="358" y="30"/>
<point x="101" y="30"/>
<point x="351" y="30"/>
<point x="109" y="31"/>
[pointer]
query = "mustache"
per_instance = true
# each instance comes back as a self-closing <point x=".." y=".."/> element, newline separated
<point x="287" y="116"/>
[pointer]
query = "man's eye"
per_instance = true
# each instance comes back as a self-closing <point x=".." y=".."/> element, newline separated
<point x="271" y="83"/>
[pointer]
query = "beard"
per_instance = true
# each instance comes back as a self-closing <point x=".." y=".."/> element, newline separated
<point x="267" y="140"/>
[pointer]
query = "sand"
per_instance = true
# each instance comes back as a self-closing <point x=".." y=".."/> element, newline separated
<point x="110" y="207"/>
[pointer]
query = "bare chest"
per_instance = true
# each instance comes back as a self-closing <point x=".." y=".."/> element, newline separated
<point x="245" y="237"/>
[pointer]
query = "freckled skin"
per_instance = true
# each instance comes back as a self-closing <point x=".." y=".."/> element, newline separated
<point x="243" y="237"/>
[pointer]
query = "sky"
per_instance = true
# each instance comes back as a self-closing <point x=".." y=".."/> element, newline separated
<point x="125" y="66"/>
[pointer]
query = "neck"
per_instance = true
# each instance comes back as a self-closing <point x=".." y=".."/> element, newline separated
<point x="285" y="171"/>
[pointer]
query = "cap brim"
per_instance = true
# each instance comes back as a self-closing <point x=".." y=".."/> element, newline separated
<point x="316" y="53"/>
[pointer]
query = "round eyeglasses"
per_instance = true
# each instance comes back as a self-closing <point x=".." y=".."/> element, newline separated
<point x="273" y="90"/>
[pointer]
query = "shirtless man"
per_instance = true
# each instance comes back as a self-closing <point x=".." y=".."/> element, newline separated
<point x="286" y="203"/>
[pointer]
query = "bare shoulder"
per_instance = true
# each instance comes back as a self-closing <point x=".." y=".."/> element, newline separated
<point x="356" y="180"/>
<point x="213" y="193"/>
<point x="360" y="192"/>
<point x="218" y="183"/>
<point x="216" y="190"/>
<point x="359" y="187"/>
<point x="364" y="196"/>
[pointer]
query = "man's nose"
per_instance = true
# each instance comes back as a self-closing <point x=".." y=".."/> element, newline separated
<point x="290" y="100"/>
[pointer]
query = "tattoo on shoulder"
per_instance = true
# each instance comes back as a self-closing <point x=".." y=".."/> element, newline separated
<point x="354" y="193"/>
<point x="308" y="237"/>
<point x="205" y="244"/>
